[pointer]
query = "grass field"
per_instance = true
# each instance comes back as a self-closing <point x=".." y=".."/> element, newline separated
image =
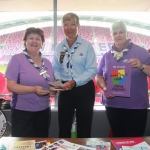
<point x="3" y="69"/>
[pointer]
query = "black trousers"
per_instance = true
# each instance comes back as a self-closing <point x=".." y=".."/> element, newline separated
<point x="30" y="124"/>
<point x="80" y="99"/>
<point x="127" y="122"/>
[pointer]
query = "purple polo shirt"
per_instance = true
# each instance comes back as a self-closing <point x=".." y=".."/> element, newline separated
<point x="21" y="70"/>
<point x="139" y="87"/>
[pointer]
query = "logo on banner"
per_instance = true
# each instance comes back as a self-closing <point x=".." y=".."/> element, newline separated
<point x="3" y="123"/>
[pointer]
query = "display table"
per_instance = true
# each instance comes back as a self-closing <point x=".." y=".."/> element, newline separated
<point x="82" y="141"/>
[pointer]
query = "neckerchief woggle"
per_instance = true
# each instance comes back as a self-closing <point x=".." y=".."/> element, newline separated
<point x="119" y="55"/>
<point x="69" y="63"/>
<point x="41" y="70"/>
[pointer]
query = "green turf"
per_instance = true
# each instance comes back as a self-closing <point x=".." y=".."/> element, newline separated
<point x="3" y="68"/>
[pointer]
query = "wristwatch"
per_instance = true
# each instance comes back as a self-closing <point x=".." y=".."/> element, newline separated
<point x="143" y="67"/>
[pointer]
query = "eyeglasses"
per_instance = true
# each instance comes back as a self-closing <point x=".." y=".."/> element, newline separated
<point x="71" y="25"/>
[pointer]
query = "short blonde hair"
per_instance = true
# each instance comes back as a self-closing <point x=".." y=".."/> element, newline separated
<point x="69" y="16"/>
<point x="117" y="25"/>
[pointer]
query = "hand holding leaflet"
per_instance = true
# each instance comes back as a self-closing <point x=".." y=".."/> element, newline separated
<point x="56" y="89"/>
<point x="52" y="93"/>
<point x="56" y="86"/>
<point x="56" y="83"/>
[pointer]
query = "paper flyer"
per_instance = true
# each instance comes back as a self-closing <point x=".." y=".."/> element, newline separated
<point x="56" y="83"/>
<point x="99" y="145"/>
<point x="65" y="145"/>
<point x="40" y="145"/>
<point x="25" y="145"/>
<point x="134" y="148"/>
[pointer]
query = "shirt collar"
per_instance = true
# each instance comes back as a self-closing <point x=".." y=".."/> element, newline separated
<point x="79" y="40"/>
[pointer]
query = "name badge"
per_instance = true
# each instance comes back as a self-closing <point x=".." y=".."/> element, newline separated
<point x="62" y="54"/>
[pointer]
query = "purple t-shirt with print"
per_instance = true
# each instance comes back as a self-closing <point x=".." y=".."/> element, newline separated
<point x="139" y="87"/>
<point x="23" y="72"/>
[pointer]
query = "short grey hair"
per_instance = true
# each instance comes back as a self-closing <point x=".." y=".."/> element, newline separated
<point x="117" y="25"/>
<point x="69" y="16"/>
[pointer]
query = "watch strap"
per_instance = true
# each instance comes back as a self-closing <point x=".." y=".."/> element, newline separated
<point x="143" y="67"/>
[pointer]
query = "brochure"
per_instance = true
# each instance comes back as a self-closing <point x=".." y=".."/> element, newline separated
<point x="25" y="145"/>
<point x="40" y="145"/>
<point x="99" y="145"/>
<point x="138" y="142"/>
<point x="56" y="83"/>
<point x="119" y="79"/>
<point x="54" y="89"/>
<point x="65" y="145"/>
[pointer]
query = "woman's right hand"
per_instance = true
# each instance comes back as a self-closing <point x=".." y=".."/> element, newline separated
<point x="40" y="91"/>
<point x="102" y="84"/>
<point x="105" y="92"/>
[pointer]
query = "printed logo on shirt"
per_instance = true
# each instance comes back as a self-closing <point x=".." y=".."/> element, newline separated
<point x="81" y="54"/>
<point x="126" y="60"/>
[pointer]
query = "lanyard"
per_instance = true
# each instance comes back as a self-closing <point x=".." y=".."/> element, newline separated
<point x="69" y="63"/>
<point x="41" y="70"/>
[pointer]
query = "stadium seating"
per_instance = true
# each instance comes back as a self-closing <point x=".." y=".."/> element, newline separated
<point x="12" y="43"/>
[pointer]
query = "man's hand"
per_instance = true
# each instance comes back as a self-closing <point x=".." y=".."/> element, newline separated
<point x="69" y="85"/>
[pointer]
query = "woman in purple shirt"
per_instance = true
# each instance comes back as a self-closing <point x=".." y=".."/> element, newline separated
<point x="28" y="75"/>
<point x="127" y="115"/>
